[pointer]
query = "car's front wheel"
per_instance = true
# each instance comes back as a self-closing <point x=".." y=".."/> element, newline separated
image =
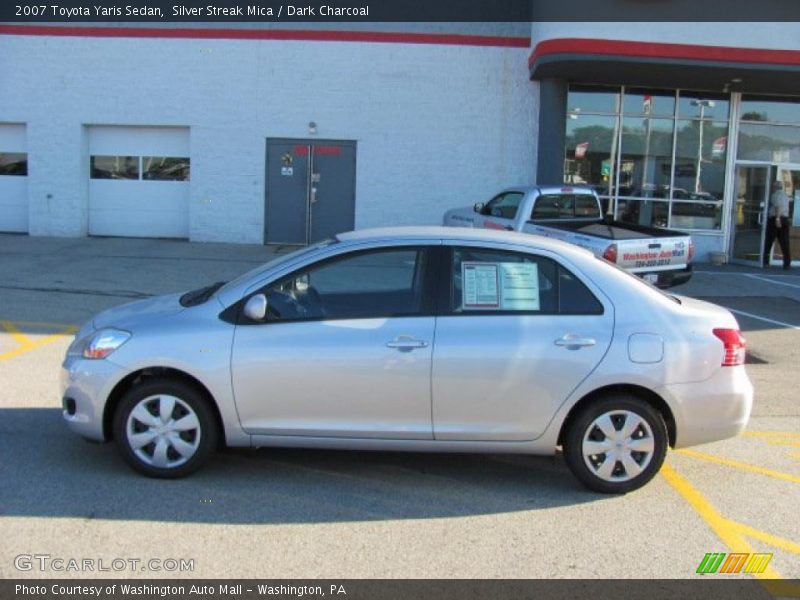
<point x="165" y="428"/>
<point x="616" y="444"/>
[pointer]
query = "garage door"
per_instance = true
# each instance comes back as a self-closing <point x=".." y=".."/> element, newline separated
<point x="13" y="179"/>
<point x="139" y="181"/>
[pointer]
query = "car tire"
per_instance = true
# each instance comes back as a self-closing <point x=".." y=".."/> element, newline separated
<point x="616" y="444"/>
<point x="165" y="428"/>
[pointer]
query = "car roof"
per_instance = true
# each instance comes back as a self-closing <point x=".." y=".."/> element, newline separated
<point x="432" y="232"/>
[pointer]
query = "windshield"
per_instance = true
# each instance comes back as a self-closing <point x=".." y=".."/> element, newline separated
<point x="277" y="261"/>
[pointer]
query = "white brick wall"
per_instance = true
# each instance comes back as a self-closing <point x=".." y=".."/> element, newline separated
<point x="436" y="126"/>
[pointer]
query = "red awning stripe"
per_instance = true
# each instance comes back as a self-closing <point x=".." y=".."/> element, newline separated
<point x="650" y="50"/>
<point x="300" y="35"/>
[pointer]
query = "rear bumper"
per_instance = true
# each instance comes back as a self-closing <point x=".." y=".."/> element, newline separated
<point x="711" y="410"/>
<point x="668" y="279"/>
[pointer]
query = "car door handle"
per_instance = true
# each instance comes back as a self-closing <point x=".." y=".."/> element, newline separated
<point x="573" y="342"/>
<point x="406" y="344"/>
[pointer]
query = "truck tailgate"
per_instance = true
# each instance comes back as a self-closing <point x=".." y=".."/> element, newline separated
<point x="659" y="254"/>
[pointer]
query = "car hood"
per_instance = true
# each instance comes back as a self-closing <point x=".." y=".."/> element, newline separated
<point x="128" y="315"/>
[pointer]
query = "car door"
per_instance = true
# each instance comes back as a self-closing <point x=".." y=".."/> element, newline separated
<point x="518" y="332"/>
<point x="500" y="211"/>
<point x="345" y="350"/>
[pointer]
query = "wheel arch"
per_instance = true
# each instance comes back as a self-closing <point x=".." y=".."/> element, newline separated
<point x="643" y="393"/>
<point x="136" y="377"/>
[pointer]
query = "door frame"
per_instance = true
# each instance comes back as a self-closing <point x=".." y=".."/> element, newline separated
<point x="310" y="143"/>
<point x="770" y="167"/>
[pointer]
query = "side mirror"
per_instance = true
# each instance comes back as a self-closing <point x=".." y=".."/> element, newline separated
<point x="255" y="308"/>
<point x="478" y="207"/>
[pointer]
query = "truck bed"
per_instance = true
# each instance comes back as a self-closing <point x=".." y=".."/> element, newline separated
<point x="610" y="230"/>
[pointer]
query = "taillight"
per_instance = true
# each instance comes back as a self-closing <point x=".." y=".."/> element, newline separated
<point x="611" y="254"/>
<point x="734" y="344"/>
<point x="691" y="252"/>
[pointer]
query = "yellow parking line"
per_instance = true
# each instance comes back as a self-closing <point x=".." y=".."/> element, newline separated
<point x="783" y="443"/>
<point x="768" y="434"/>
<point x="19" y="350"/>
<point x="740" y="465"/>
<point x="719" y="524"/>
<point x="767" y="538"/>
<point x="18" y="336"/>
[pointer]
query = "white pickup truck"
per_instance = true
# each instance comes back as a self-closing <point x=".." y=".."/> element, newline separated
<point x="574" y="214"/>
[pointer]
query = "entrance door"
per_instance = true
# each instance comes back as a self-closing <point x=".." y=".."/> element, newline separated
<point x="790" y="176"/>
<point x="310" y="190"/>
<point x="752" y="196"/>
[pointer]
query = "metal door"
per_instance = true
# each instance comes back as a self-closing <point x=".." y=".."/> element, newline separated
<point x="310" y="190"/>
<point x="752" y="196"/>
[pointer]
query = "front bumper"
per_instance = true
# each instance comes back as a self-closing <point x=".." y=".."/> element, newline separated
<point x="711" y="410"/>
<point x="85" y="387"/>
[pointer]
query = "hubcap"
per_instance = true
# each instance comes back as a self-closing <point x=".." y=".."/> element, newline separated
<point x="163" y="431"/>
<point x="618" y="445"/>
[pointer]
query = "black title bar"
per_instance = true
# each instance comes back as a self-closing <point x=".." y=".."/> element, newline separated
<point x="221" y="11"/>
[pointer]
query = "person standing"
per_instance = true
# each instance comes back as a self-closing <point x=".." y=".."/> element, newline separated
<point x="778" y="224"/>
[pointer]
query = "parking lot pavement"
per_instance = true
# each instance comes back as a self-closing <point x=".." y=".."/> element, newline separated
<point x="302" y="513"/>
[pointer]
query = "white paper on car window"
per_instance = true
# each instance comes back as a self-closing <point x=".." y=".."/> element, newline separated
<point x="480" y="287"/>
<point x="519" y="286"/>
<point x="500" y="286"/>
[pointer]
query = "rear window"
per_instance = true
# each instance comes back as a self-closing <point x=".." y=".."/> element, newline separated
<point x="566" y="206"/>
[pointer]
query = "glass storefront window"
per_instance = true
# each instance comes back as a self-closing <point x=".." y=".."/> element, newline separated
<point x="700" y="105"/>
<point x="770" y="143"/>
<point x="657" y="157"/>
<point x="590" y="146"/>
<point x="638" y="101"/>
<point x="646" y="157"/>
<point x="697" y="215"/>
<point x="650" y="213"/>
<point x="593" y="99"/>
<point x="700" y="152"/>
<point x="769" y="109"/>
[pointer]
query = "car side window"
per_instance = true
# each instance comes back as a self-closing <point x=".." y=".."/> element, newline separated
<point x="497" y="281"/>
<point x="504" y="206"/>
<point x="379" y="283"/>
<point x="574" y="298"/>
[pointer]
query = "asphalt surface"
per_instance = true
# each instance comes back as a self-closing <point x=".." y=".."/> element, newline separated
<point x="300" y="513"/>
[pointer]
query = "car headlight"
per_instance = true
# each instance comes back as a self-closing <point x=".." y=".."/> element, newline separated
<point x="99" y="344"/>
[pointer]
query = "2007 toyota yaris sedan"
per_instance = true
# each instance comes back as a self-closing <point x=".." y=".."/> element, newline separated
<point x="421" y="339"/>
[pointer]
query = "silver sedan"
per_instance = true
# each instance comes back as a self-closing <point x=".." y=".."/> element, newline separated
<point x="420" y="339"/>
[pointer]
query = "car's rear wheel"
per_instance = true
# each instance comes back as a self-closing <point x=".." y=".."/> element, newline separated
<point x="616" y="445"/>
<point x="165" y="428"/>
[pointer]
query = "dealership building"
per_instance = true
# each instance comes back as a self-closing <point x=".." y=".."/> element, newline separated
<point x="259" y="133"/>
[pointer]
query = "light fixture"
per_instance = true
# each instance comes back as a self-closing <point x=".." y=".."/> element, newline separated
<point x="736" y="80"/>
<point x="312" y="128"/>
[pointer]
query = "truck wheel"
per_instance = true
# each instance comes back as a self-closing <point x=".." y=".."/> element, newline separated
<point x="616" y="445"/>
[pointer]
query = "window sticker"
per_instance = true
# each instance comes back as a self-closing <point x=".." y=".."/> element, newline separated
<point x="480" y="287"/>
<point x="519" y="286"/>
<point x="500" y="286"/>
